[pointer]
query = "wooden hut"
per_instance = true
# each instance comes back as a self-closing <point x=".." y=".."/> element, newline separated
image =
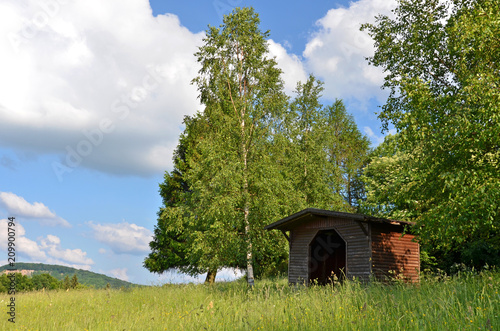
<point x="324" y="243"/>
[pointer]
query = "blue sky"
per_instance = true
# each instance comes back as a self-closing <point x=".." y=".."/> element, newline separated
<point x="92" y="97"/>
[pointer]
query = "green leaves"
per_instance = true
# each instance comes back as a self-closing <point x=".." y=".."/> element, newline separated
<point x="241" y="88"/>
<point x="250" y="158"/>
<point x="443" y="71"/>
<point x="326" y="150"/>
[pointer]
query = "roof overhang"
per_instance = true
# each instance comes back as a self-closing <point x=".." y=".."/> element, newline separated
<point x="308" y="214"/>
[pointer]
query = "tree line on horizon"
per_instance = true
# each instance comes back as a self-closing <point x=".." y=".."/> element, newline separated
<point x="59" y="272"/>
<point x="254" y="155"/>
<point x="24" y="283"/>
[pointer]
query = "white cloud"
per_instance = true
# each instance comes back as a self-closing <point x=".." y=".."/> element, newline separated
<point x="123" y="238"/>
<point x="46" y="250"/>
<point x="51" y="241"/>
<point x="120" y="273"/>
<point x="66" y="264"/>
<point x="173" y="276"/>
<point x="103" y="85"/>
<point x="229" y="274"/>
<point x="52" y="246"/>
<point x="377" y="139"/>
<point x="292" y="66"/>
<point x="336" y="53"/>
<point x="19" y="207"/>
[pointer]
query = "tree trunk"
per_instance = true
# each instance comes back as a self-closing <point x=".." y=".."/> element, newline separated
<point x="210" y="277"/>
<point x="249" y="250"/>
<point x="349" y="193"/>
<point x="247" y="225"/>
<point x="246" y="203"/>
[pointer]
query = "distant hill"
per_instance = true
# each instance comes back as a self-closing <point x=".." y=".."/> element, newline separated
<point x="85" y="277"/>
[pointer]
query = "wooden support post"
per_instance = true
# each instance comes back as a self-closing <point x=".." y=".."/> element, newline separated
<point x="286" y="236"/>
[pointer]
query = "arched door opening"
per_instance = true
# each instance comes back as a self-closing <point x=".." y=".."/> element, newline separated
<point x="327" y="257"/>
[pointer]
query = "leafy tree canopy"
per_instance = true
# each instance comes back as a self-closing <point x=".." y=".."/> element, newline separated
<point x="250" y="158"/>
<point x="442" y="64"/>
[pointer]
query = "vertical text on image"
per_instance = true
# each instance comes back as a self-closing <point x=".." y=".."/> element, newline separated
<point x="11" y="248"/>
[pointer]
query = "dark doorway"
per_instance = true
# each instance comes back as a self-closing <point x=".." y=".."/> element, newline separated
<point x="327" y="257"/>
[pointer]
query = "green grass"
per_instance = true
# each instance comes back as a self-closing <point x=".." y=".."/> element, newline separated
<point x="466" y="302"/>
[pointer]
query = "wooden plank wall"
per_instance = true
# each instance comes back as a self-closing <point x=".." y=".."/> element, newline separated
<point x="357" y="247"/>
<point x="394" y="255"/>
<point x="299" y="251"/>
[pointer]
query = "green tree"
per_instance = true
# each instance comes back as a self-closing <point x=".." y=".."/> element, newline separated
<point x="227" y="183"/>
<point x="23" y="283"/>
<point x="66" y="283"/>
<point x="250" y="158"/>
<point x="326" y="150"/>
<point x="45" y="281"/>
<point x="241" y="88"/>
<point x="74" y="282"/>
<point x="4" y="283"/>
<point x="442" y="60"/>
<point x="386" y="180"/>
<point x="172" y="240"/>
<point x="347" y="152"/>
<point x="307" y="160"/>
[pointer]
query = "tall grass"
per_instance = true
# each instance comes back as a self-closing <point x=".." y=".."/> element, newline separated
<point x="465" y="302"/>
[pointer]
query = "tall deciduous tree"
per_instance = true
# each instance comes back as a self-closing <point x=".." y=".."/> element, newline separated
<point x="442" y="60"/>
<point x="241" y="87"/>
<point x="228" y="180"/>
<point x="388" y="177"/>
<point x="250" y="158"/>
<point x="230" y="169"/>
<point x="308" y="164"/>
<point x="327" y="150"/>
<point x="347" y="150"/>
<point x="173" y="241"/>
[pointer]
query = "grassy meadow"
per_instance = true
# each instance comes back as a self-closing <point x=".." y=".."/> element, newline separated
<point x="464" y="302"/>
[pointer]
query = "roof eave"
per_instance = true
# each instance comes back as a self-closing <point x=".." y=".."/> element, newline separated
<point x="288" y="222"/>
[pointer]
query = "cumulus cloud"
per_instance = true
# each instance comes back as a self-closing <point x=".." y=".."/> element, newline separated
<point x="45" y="250"/>
<point x="18" y="206"/>
<point x="52" y="246"/>
<point x="337" y="51"/>
<point x="291" y="64"/>
<point x="120" y="273"/>
<point x="103" y="85"/>
<point x="123" y="238"/>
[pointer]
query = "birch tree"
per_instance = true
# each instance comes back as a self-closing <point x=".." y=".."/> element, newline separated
<point x="248" y="159"/>
<point x="241" y="88"/>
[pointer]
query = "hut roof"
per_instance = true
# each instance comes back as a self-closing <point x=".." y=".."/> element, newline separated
<point x="295" y="220"/>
